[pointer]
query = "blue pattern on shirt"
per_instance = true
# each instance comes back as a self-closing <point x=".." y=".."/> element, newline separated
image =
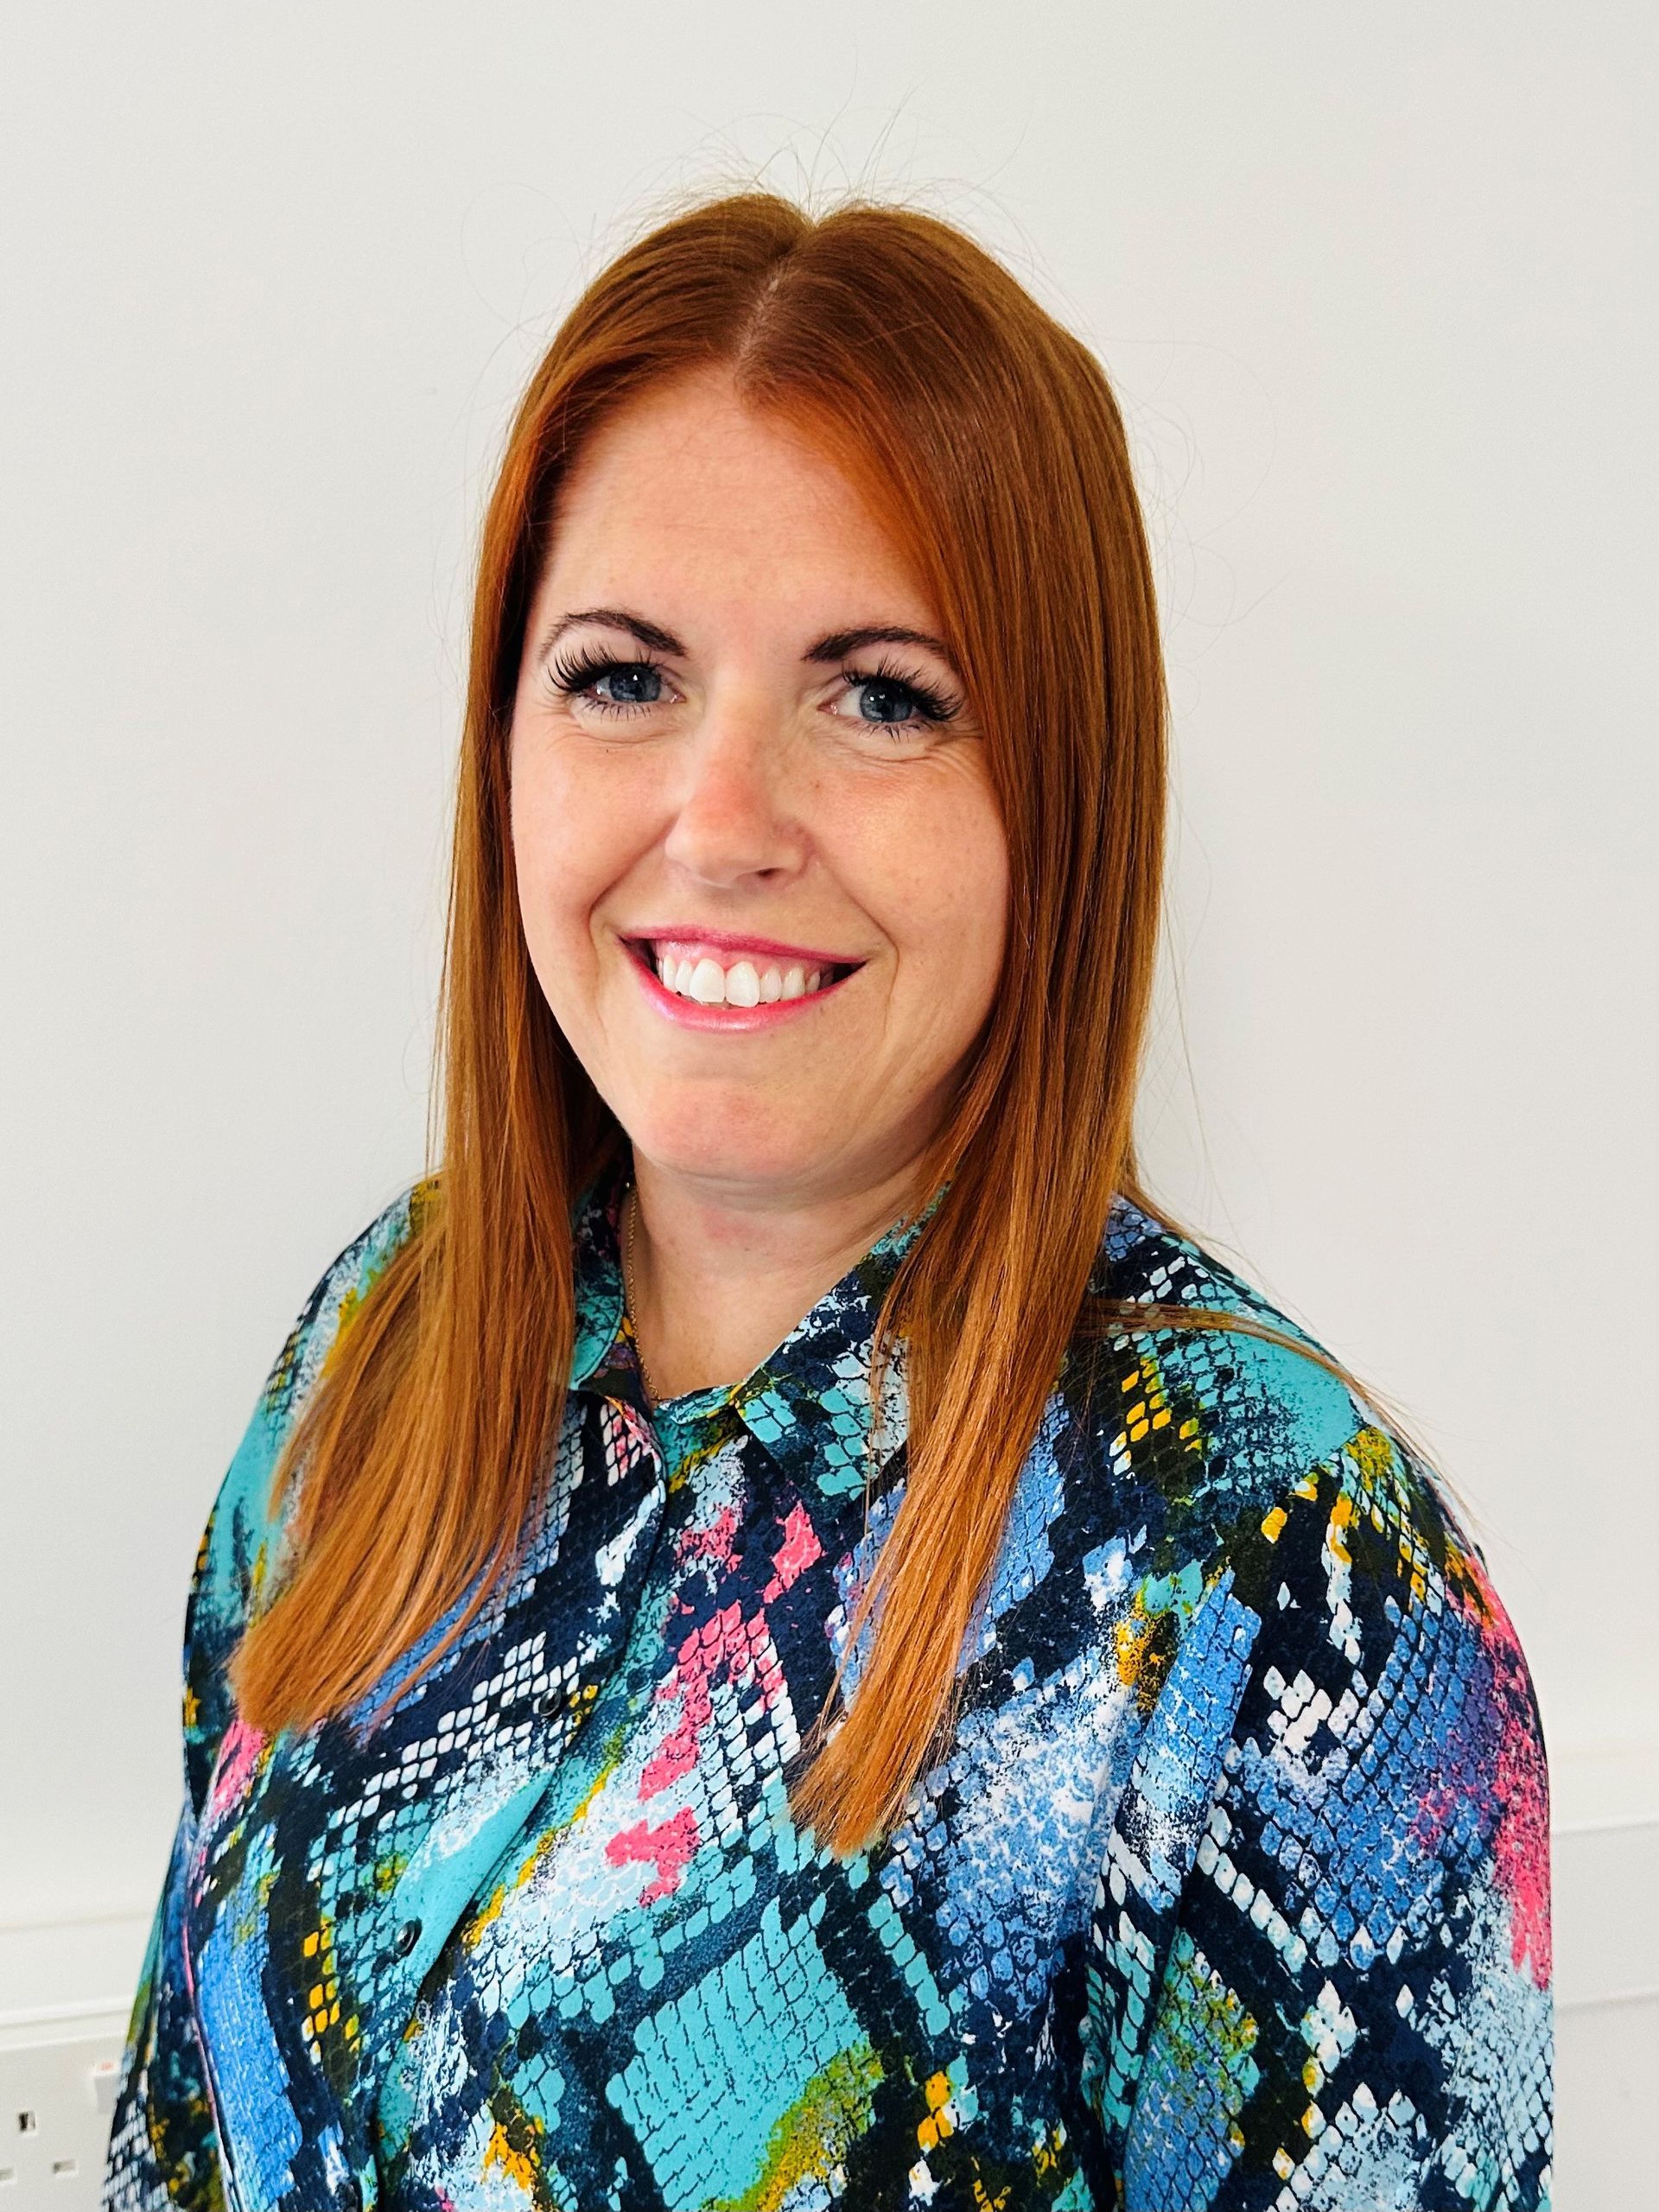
<point x="1229" y="1888"/>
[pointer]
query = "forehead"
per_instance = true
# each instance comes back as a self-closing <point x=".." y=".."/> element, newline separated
<point x="689" y="488"/>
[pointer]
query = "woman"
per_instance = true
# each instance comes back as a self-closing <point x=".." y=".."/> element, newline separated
<point x="778" y="1636"/>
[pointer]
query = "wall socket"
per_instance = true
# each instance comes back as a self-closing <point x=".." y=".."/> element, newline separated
<point x="58" y="2080"/>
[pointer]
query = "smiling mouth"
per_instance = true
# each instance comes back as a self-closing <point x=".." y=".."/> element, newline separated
<point x="712" y="975"/>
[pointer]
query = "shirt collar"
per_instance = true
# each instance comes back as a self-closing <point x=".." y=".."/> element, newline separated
<point x="809" y="1403"/>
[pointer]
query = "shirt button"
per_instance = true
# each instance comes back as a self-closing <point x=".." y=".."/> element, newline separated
<point x="551" y="1702"/>
<point x="406" y="1938"/>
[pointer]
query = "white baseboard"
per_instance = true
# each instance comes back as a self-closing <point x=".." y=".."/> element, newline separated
<point x="68" y="1969"/>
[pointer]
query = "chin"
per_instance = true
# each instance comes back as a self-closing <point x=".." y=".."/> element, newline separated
<point x="731" y="1138"/>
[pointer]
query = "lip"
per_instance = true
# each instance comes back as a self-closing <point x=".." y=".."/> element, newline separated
<point x="769" y="948"/>
<point x="728" y="1020"/>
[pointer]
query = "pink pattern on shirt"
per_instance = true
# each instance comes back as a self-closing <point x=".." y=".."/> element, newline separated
<point x="670" y="1847"/>
<point x="717" y="1540"/>
<point x="728" y="1645"/>
<point x="1521" y="1847"/>
<point x="239" y="1755"/>
<point x="799" y="1548"/>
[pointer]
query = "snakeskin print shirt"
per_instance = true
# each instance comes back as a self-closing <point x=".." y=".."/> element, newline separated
<point x="1230" y="1887"/>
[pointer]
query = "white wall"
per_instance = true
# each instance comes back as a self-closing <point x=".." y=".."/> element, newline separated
<point x="1372" y="286"/>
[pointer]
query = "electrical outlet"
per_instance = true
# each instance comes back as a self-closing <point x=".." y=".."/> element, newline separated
<point x="58" y="2080"/>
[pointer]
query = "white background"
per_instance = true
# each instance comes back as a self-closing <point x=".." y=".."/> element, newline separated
<point x="1375" y="289"/>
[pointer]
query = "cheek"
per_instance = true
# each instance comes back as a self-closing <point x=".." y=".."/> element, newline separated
<point x="936" y="868"/>
<point x="568" y="832"/>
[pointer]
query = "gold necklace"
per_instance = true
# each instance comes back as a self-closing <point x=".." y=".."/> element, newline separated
<point x="632" y="1197"/>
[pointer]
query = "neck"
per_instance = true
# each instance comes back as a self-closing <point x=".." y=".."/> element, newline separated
<point x="719" y="1278"/>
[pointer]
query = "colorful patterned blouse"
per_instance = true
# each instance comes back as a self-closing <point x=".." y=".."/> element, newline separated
<point x="1230" y="1889"/>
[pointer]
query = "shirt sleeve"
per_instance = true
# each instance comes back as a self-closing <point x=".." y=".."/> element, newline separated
<point x="163" y="2144"/>
<point x="1318" y="1966"/>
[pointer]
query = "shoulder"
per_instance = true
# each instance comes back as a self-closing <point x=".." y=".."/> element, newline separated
<point x="1254" y="1484"/>
<point x="1239" y="1407"/>
<point x="1245" y="1454"/>
<point x="241" y="1542"/>
<point x="241" y="1521"/>
<point x="341" y="1290"/>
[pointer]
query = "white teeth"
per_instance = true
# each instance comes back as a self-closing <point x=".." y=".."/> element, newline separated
<point x="742" y="984"/>
<point x="708" y="983"/>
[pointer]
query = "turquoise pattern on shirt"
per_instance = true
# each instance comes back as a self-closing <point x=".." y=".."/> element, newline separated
<point x="1229" y="1889"/>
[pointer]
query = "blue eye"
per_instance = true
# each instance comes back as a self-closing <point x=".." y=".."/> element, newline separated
<point x="890" y="700"/>
<point x="637" y="684"/>
<point x="882" y="700"/>
<point x="616" y="687"/>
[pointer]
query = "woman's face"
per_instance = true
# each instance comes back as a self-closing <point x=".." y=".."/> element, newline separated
<point x="762" y="873"/>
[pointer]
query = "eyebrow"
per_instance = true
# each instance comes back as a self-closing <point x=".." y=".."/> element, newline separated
<point x="827" y="651"/>
<point x="840" y="643"/>
<point x="616" y="618"/>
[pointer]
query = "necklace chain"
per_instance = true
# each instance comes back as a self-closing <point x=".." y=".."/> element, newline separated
<point x="631" y="1197"/>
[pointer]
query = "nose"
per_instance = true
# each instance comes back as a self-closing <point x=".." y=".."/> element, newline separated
<point x="731" y="815"/>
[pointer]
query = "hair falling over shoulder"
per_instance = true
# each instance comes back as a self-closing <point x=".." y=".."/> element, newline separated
<point x="992" y="440"/>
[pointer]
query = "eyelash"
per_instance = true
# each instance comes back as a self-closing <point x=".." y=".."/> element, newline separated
<point x="932" y="704"/>
<point x="583" y="670"/>
<point x="580" y="672"/>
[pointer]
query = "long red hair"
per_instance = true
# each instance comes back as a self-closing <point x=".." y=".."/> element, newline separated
<point x="991" y="439"/>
